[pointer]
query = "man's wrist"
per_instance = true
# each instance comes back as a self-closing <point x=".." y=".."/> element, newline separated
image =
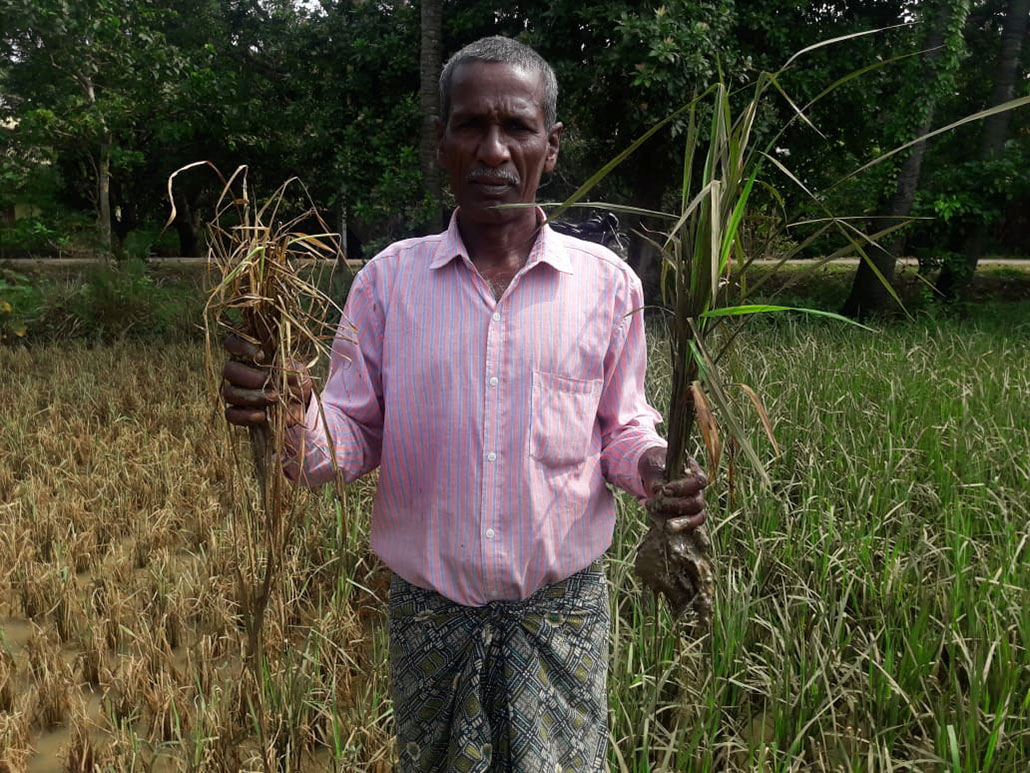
<point x="651" y="468"/>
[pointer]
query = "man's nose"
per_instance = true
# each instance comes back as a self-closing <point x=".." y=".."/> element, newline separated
<point x="493" y="149"/>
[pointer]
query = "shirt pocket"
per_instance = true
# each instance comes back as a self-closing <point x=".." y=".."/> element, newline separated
<point x="563" y="414"/>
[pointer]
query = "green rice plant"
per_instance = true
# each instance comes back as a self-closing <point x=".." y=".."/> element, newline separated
<point x="706" y="288"/>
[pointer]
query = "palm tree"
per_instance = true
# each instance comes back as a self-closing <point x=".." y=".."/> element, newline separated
<point x="429" y="96"/>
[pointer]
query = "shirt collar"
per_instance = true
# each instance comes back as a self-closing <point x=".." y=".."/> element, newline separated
<point x="548" y="247"/>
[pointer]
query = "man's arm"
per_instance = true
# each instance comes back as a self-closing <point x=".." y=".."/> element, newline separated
<point x="351" y="401"/>
<point x="633" y="454"/>
<point x="627" y="421"/>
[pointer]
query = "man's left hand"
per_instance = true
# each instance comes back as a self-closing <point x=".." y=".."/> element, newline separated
<point x="682" y="501"/>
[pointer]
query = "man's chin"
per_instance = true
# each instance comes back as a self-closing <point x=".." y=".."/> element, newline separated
<point x="494" y="211"/>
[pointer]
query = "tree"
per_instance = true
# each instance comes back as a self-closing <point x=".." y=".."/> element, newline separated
<point x="933" y="79"/>
<point x="954" y="278"/>
<point x="77" y="76"/>
<point x="429" y="96"/>
<point x="995" y="128"/>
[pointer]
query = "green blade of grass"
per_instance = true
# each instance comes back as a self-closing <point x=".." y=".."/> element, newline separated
<point x="761" y="308"/>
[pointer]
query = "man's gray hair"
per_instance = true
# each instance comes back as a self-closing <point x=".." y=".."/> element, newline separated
<point x="506" y="51"/>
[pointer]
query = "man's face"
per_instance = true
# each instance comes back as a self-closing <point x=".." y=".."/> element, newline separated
<point x="495" y="145"/>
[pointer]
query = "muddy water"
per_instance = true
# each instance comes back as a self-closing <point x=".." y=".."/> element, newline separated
<point x="16" y="633"/>
<point x="50" y="744"/>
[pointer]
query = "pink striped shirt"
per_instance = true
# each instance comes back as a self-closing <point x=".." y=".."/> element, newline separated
<point x="495" y="424"/>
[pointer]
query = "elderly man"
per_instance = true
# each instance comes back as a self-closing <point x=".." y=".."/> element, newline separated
<point x="497" y="381"/>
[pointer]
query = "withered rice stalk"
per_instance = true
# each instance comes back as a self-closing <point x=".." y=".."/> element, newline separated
<point x="266" y="269"/>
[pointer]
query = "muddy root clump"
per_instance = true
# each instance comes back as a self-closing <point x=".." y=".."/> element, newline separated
<point x="678" y="566"/>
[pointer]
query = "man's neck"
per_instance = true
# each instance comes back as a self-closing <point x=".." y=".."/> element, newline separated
<point x="504" y="245"/>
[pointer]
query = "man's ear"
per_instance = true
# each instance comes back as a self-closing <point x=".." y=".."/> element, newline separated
<point x="553" y="141"/>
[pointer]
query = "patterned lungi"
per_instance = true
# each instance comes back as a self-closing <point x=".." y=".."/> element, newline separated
<point x="514" y="686"/>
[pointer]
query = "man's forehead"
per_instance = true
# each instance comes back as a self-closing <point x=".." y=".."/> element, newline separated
<point x="517" y="86"/>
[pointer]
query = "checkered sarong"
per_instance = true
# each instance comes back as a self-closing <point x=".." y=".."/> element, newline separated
<point x="517" y="686"/>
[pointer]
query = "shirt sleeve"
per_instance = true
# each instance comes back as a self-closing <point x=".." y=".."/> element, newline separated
<point x="627" y="421"/>
<point x="352" y="400"/>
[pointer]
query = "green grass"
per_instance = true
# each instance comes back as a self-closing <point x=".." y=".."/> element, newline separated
<point x="872" y="607"/>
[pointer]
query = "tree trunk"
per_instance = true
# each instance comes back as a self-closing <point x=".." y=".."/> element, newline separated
<point x="868" y="294"/>
<point x="953" y="281"/>
<point x="103" y="170"/>
<point x="188" y="242"/>
<point x="104" y="195"/>
<point x="429" y="97"/>
<point x="996" y="127"/>
<point x="341" y="228"/>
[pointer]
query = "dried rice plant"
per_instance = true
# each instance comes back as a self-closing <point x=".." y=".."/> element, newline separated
<point x="167" y="708"/>
<point x="123" y="690"/>
<point x="51" y="677"/>
<point x="211" y="744"/>
<point x="261" y="294"/>
<point x="83" y="551"/>
<point x="81" y="754"/>
<point x="8" y="672"/>
<point x="91" y="660"/>
<point x="16" y="736"/>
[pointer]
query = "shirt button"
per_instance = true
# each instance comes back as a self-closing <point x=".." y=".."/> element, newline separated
<point x="490" y="457"/>
<point x="493" y="381"/>
<point x="497" y="316"/>
<point x="489" y="533"/>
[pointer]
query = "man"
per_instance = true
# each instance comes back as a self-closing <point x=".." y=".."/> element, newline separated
<point x="497" y="381"/>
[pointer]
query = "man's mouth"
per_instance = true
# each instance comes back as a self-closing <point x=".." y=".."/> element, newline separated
<point x="492" y="183"/>
<point x="493" y="187"/>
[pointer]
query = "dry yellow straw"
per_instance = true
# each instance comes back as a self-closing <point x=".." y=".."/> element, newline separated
<point x="255" y="256"/>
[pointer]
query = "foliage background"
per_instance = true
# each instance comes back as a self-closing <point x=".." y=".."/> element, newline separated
<point x="328" y="91"/>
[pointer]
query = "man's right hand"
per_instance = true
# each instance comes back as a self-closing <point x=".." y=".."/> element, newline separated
<point x="246" y="390"/>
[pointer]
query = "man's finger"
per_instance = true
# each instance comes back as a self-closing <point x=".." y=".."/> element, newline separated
<point x="297" y="374"/>
<point x="690" y="486"/>
<point x="300" y="392"/>
<point x="694" y="470"/>
<point x="249" y="398"/>
<point x="240" y="375"/>
<point x="686" y="523"/>
<point x="674" y="506"/>
<point x="237" y="347"/>
<point x="245" y="417"/>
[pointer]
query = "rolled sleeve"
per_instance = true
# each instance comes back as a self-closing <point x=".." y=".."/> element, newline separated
<point x="627" y="421"/>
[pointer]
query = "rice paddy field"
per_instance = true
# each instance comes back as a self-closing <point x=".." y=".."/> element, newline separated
<point x="871" y="614"/>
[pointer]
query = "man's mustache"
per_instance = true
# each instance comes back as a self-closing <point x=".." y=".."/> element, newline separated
<point x="486" y="175"/>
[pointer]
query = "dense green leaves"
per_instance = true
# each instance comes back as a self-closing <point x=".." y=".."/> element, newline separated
<point x="328" y="91"/>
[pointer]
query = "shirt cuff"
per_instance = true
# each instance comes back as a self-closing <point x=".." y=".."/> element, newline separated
<point x="300" y="440"/>
<point x="621" y="461"/>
